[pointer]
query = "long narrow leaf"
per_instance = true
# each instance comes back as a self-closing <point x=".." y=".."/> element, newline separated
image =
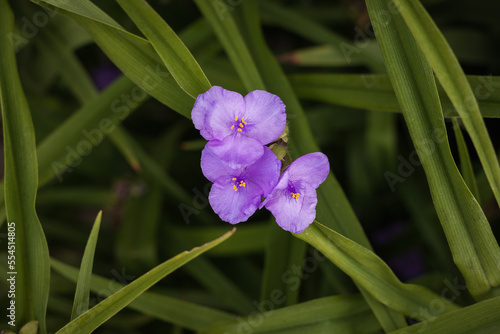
<point x="93" y="318"/>
<point x="452" y="78"/>
<point x="169" y="47"/>
<point x="474" y="248"/>
<point x="465" y="162"/>
<point x="375" y="92"/>
<point x="82" y="293"/>
<point x="480" y="318"/>
<point x="368" y="270"/>
<point x="30" y="267"/>
<point x="156" y="305"/>
<point x="135" y="56"/>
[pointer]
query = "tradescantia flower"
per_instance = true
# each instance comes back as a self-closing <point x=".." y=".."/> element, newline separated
<point x="238" y="127"/>
<point x="293" y="200"/>
<point x="236" y="192"/>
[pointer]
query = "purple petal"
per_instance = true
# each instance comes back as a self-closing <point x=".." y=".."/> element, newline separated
<point x="293" y="214"/>
<point x="265" y="172"/>
<point x="214" y="111"/>
<point x="312" y="168"/>
<point x="234" y="206"/>
<point x="265" y="116"/>
<point x="213" y="167"/>
<point x="237" y="150"/>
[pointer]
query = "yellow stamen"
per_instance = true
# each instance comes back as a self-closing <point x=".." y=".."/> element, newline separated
<point x="241" y="125"/>
<point x="243" y="120"/>
<point x="295" y="195"/>
<point x="243" y="184"/>
<point x="239" y="130"/>
<point x="235" y="118"/>
<point x="234" y="179"/>
<point x="235" y="188"/>
<point x="232" y="126"/>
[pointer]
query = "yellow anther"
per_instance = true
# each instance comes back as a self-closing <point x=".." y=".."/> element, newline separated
<point x="242" y="184"/>
<point x="234" y="179"/>
<point x="239" y="130"/>
<point x="241" y="125"/>
<point x="243" y="120"/>
<point x="232" y="126"/>
<point x="235" y="118"/>
<point x="295" y="195"/>
<point x="235" y="188"/>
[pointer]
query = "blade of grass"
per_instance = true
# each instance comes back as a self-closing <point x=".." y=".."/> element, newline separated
<point x="449" y="72"/>
<point x="82" y="293"/>
<point x="368" y="270"/>
<point x="175" y="55"/>
<point x="374" y="91"/>
<point x="93" y="318"/>
<point x="474" y="248"/>
<point x="31" y="253"/>
<point x="234" y="45"/>
<point x="156" y="305"/>
<point x="133" y="55"/>
<point x="465" y="162"/>
<point x="480" y="318"/>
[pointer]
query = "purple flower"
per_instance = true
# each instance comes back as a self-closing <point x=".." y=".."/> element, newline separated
<point x="236" y="192"/>
<point x="237" y="127"/>
<point x="293" y="200"/>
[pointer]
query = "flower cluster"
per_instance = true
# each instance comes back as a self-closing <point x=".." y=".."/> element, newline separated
<point x="244" y="170"/>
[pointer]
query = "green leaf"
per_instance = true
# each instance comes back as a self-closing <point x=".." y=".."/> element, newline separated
<point x="82" y="293"/>
<point x="133" y="55"/>
<point x="156" y="305"/>
<point x="465" y="162"/>
<point x="337" y="314"/>
<point x="447" y="69"/>
<point x="480" y="318"/>
<point x="168" y="45"/>
<point x="369" y="271"/>
<point x="96" y="316"/>
<point x="375" y="92"/>
<point x="474" y="248"/>
<point x="21" y="182"/>
<point x="231" y="39"/>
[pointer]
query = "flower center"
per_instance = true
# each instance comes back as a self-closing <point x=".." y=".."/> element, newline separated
<point x="238" y="125"/>
<point x="294" y="190"/>
<point x="238" y="183"/>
